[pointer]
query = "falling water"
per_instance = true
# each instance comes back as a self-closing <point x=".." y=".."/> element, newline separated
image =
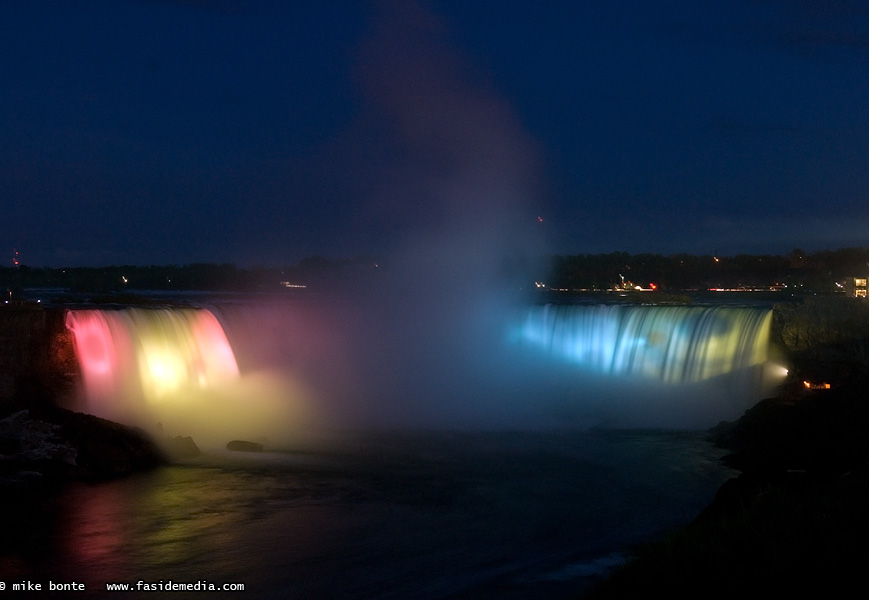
<point x="651" y="366"/>
<point x="175" y="369"/>
<point x="671" y="344"/>
<point x="274" y="371"/>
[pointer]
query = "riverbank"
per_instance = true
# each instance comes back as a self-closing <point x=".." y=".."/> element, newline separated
<point x="793" y="522"/>
<point x="43" y="449"/>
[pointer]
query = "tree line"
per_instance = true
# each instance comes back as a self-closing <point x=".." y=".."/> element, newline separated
<point x="818" y="271"/>
<point x="198" y="276"/>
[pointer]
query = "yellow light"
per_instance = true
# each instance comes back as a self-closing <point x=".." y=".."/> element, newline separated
<point x="164" y="372"/>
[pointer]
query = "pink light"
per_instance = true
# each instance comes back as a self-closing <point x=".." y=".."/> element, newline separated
<point x="98" y="356"/>
<point x="217" y="360"/>
<point x="94" y="346"/>
<point x="133" y="358"/>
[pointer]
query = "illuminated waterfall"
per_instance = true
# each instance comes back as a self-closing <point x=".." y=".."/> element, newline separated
<point x="173" y="372"/>
<point x="285" y="370"/>
<point x="650" y="366"/>
<point x="669" y="344"/>
<point x="144" y="357"/>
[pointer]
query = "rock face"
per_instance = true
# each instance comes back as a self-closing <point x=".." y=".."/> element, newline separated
<point x="60" y="445"/>
<point x="822" y="434"/>
<point x="181" y="447"/>
<point x="37" y="360"/>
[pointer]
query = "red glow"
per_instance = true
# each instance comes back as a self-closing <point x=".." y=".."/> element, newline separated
<point x="101" y="356"/>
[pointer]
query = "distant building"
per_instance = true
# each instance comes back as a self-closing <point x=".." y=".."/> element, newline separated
<point x="855" y="287"/>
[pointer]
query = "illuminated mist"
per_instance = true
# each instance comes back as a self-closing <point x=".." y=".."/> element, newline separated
<point x="283" y="371"/>
<point x="440" y="338"/>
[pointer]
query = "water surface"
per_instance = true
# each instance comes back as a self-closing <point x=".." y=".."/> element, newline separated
<point x="398" y="515"/>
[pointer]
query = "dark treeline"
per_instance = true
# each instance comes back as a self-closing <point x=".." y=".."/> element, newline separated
<point x="199" y="276"/>
<point x="817" y="272"/>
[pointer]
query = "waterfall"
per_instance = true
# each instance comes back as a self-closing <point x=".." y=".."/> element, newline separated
<point x="670" y="344"/>
<point x="149" y="354"/>
<point x="174" y="367"/>
<point x="283" y="369"/>
<point x="648" y="366"/>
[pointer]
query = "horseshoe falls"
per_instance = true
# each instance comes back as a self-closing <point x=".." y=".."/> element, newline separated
<point x="275" y="372"/>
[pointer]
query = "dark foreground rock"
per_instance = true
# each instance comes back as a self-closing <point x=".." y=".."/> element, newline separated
<point x="55" y="445"/>
<point x="823" y="434"/>
<point x="244" y="446"/>
<point x="181" y="448"/>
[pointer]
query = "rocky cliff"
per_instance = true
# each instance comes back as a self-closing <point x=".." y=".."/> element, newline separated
<point x="37" y="360"/>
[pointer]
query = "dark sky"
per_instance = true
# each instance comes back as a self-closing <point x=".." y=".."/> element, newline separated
<point x="262" y="132"/>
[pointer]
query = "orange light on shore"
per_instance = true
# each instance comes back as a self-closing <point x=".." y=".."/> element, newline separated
<point x="816" y="386"/>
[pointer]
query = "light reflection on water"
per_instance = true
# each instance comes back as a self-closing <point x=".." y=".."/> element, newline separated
<point x="390" y="516"/>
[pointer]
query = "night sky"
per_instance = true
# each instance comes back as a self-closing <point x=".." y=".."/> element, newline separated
<point x="262" y="132"/>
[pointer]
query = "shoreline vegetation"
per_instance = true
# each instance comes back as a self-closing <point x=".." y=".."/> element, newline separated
<point x="797" y="272"/>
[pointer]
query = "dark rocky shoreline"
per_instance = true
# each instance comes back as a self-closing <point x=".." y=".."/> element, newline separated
<point x="46" y="446"/>
<point x="794" y="521"/>
<point x="43" y="449"/>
